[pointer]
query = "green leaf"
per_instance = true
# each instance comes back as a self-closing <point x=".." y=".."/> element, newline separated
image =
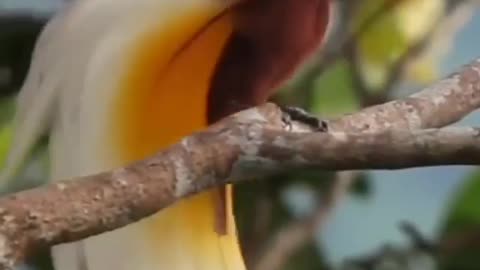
<point x="7" y="108"/>
<point x="363" y="186"/>
<point x="333" y="93"/>
<point x="465" y="210"/>
<point x="383" y="40"/>
<point x="391" y="35"/>
<point x="5" y="140"/>
<point x="464" y="215"/>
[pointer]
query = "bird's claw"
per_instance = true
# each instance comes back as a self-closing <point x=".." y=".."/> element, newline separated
<point x="304" y="117"/>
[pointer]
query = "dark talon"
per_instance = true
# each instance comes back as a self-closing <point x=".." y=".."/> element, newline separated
<point x="300" y="115"/>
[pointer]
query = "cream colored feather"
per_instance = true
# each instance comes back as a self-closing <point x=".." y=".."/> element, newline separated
<point x="69" y="89"/>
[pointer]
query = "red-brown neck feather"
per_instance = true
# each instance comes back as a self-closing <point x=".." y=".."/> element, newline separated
<point x="271" y="39"/>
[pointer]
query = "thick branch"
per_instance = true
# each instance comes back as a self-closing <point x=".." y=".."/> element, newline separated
<point x="251" y="143"/>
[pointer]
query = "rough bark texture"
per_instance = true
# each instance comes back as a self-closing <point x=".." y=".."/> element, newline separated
<point x="254" y="142"/>
<point x="443" y="103"/>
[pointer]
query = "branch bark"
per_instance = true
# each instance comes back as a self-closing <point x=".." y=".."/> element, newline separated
<point x="252" y="143"/>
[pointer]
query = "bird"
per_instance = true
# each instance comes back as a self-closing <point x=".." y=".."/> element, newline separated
<point x="114" y="81"/>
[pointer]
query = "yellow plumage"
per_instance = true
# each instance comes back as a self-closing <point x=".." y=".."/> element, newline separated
<point x="127" y="78"/>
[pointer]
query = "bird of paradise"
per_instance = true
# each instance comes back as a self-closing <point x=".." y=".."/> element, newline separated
<point x="114" y="81"/>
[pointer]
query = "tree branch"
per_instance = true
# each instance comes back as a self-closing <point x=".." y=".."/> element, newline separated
<point x="299" y="232"/>
<point x="252" y="143"/>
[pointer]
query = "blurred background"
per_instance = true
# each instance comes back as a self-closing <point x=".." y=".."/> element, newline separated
<point x="377" y="50"/>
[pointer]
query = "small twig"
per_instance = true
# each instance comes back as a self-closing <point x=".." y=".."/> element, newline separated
<point x="350" y="39"/>
<point x="299" y="232"/>
<point x="328" y="58"/>
<point x="446" y="26"/>
<point x="397" y="68"/>
<point x="436" y="251"/>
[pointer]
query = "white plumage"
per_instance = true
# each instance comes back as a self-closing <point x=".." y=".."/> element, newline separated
<point x="69" y="90"/>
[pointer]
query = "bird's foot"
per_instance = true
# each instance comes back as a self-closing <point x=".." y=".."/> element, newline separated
<point x="295" y="114"/>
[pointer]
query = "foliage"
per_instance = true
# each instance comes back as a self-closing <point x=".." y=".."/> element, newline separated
<point x="392" y="35"/>
<point x="6" y="112"/>
<point x="465" y="211"/>
<point x="333" y="93"/>
<point x="464" y="217"/>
